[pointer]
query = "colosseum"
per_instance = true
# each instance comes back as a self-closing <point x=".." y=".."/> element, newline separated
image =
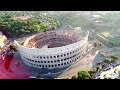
<point x="53" y="49"/>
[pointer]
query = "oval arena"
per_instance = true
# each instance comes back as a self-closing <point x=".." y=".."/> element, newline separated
<point x="53" y="49"/>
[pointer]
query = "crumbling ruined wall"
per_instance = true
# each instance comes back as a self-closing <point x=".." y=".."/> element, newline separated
<point x="55" y="57"/>
<point x="53" y="39"/>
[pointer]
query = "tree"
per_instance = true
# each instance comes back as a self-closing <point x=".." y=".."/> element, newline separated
<point x="13" y="47"/>
<point x="98" y="67"/>
<point x="83" y="75"/>
<point x="94" y="70"/>
<point x="114" y="56"/>
<point x="36" y="28"/>
<point x="107" y="60"/>
<point x="38" y="22"/>
<point x="43" y="26"/>
<point x="74" y="77"/>
<point x="91" y="72"/>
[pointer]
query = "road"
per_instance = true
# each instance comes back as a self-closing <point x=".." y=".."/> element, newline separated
<point x="83" y="64"/>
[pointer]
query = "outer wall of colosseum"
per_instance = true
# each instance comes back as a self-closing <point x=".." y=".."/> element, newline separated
<point x="36" y="55"/>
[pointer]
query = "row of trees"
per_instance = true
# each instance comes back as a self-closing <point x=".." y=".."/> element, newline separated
<point x="82" y="75"/>
<point x="37" y="23"/>
<point x="86" y="74"/>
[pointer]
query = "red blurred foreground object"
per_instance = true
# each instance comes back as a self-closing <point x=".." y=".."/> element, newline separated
<point x="11" y="68"/>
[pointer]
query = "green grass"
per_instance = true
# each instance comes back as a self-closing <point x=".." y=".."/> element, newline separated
<point x="115" y="40"/>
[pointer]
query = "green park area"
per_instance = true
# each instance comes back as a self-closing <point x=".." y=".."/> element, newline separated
<point x="113" y="38"/>
<point x="18" y="24"/>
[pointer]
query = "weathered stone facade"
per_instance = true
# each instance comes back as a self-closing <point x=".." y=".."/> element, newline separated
<point x="53" y="49"/>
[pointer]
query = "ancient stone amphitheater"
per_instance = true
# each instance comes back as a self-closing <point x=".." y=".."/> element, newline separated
<point x="53" y="49"/>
